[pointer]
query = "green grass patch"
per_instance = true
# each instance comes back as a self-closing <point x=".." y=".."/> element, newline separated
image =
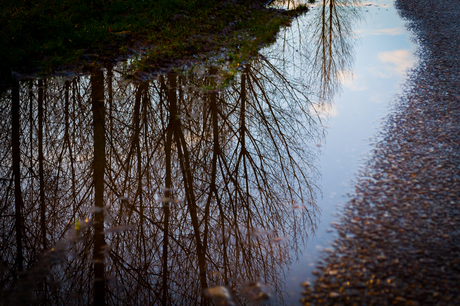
<point x="49" y="33"/>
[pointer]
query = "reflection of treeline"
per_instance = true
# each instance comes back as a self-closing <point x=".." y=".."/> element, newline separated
<point x="319" y="46"/>
<point x="185" y="188"/>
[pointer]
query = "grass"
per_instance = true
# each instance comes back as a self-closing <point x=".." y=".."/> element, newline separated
<point x="50" y="33"/>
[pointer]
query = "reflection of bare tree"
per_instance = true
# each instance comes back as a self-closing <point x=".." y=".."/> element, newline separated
<point x="324" y="39"/>
<point x="42" y="182"/>
<point x="189" y="188"/>
<point x="333" y="27"/>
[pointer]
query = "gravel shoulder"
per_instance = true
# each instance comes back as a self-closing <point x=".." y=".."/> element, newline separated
<point x="399" y="237"/>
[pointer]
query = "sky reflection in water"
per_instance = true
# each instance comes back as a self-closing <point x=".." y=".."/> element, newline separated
<point x="383" y="51"/>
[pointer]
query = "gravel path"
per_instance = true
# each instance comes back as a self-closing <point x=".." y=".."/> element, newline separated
<point x="399" y="238"/>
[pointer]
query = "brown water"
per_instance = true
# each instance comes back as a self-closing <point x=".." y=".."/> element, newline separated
<point x="170" y="190"/>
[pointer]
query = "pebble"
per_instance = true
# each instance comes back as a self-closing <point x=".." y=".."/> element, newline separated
<point x="399" y="235"/>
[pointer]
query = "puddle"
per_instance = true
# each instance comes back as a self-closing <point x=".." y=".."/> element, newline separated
<point x="177" y="185"/>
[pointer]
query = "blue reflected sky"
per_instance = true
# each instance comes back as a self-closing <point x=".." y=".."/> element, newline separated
<point x="383" y="52"/>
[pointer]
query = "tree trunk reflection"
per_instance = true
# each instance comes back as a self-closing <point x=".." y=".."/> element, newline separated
<point x="98" y="110"/>
<point x="18" y="201"/>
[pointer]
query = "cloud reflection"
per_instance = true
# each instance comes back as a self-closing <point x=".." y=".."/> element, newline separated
<point x="351" y="81"/>
<point x="325" y="110"/>
<point x="390" y="32"/>
<point x="401" y="60"/>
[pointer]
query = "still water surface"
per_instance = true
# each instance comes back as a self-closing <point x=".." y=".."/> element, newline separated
<point x="383" y="52"/>
<point x="144" y="192"/>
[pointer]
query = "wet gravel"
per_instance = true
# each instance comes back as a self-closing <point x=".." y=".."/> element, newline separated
<point x="399" y="236"/>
